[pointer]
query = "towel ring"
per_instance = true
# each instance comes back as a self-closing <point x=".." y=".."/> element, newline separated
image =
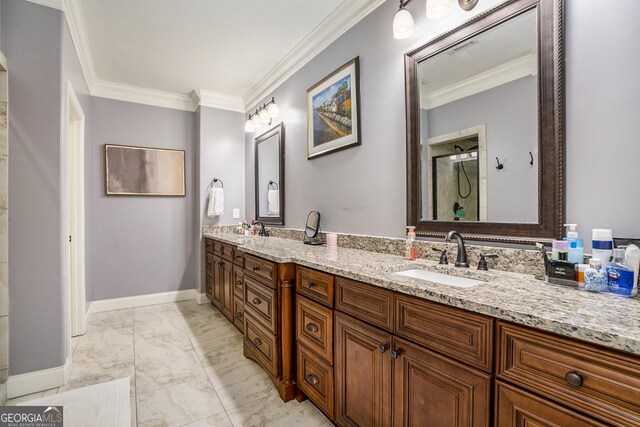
<point x="217" y="180"/>
<point x="272" y="183"/>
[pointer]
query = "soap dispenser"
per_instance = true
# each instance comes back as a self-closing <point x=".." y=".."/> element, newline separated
<point x="411" y="252"/>
<point x="576" y="245"/>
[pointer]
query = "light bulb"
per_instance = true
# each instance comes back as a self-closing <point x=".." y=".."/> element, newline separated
<point x="274" y="110"/>
<point x="437" y="9"/>
<point x="248" y="126"/>
<point x="256" y="121"/>
<point x="402" y="24"/>
<point x="264" y="116"/>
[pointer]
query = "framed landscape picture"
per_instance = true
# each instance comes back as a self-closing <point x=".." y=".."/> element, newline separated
<point x="333" y="111"/>
<point x="141" y="171"/>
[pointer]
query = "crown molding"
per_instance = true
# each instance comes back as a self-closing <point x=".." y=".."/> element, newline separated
<point x="348" y="14"/>
<point x="140" y="95"/>
<point x="54" y="4"/>
<point x="222" y="101"/>
<point x="502" y="74"/>
<point x="74" y="17"/>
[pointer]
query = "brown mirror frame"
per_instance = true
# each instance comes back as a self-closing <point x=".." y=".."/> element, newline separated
<point x="551" y="157"/>
<point x="271" y="220"/>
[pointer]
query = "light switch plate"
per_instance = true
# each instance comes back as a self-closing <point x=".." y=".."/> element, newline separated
<point x="236" y="213"/>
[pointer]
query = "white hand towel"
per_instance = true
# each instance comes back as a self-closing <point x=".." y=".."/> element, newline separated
<point x="273" y="202"/>
<point x="216" y="203"/>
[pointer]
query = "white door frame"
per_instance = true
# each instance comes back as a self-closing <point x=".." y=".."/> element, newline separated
<point x="76" y="316"/>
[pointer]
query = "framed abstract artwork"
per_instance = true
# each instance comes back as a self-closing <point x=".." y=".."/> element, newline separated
<point x="333" y="111"/>
<point x="143" y="171"/>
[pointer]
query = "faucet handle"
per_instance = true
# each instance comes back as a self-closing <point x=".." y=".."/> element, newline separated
<point x="482" y="264"/>
<point x="443" y="255"/>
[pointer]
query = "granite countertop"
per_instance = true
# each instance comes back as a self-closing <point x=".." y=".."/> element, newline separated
<point x="602" y="319"/>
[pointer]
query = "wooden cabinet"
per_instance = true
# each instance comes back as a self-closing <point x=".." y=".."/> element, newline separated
<point x="315" y="379"/>
<point x="362" y="373"/>
<point x="227" y="289"/>
<point x="221" y="276"/>
<point x="517" y="408"/>
<point x="315" y="285"/>
<point x="218" y="278"/>
<point x="365" y="302"/>
<point x="598" y="382"/>
<point x="314" y="327"/>
<point x="433" y="390"/>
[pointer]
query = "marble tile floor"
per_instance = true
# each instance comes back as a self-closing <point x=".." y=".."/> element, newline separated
<point x="186" y="368"/>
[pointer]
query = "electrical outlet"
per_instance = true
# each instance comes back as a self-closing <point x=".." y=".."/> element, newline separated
<point x="236" y="213"/>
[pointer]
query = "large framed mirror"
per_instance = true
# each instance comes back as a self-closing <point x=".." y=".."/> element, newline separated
<point x="485" y="132"/>
<point x="269" y="174"/>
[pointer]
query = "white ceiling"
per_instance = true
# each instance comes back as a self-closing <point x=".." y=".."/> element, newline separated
<point x="181" y="45"/>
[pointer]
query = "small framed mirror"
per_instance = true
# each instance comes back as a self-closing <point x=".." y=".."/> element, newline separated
<point x="312" y="229"/>
<point x="269" y="153"/>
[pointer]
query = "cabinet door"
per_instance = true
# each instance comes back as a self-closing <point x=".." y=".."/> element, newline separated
<point x="362" y="373"/>
<point x="227" y="289"/>
<point x="218" y="268"/>
<point x="517" y="408"/>
<point x="433" y="390"/>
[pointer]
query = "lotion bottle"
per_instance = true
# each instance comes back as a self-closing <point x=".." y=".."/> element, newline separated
<point x="411" y="252"/>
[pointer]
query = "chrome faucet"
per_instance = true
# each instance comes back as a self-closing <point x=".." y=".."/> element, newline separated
<point x="461" y="260"/>
<point x="263" y="231"/>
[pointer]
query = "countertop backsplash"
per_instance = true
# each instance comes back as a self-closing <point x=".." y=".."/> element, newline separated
<point x="526" y="261"/>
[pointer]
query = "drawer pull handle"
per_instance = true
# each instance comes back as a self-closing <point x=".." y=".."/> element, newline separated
<point x="395" y="353"/>
<point x="255" y="268"/>
<point x="574" y="379"/>
<point x="310" y="285"/>
<point x="256" y="301"/>
<point x="383" y="348"/>
<point x="220" y="263"/>
<point x="312" y="379"/>
<point x="239" y="315"/>
<point x="238" y="256"/>
<point x="239" y="282"/>
<point x="311" y="328"/>
<point x="257" y="341"/>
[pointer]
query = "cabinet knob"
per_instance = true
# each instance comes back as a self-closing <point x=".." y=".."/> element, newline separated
<point x="256" y="301"/>
<point x="238" y="256"/>
<point x="257" y="341"/>
<point x="255" y="268"/>
<point x="383" y="348"/>
<point x="239" y="315"/>
<point x="574" y="379"/>
<point x="220" y="263"/>
<point x="395" y="353"/>
<point x="310" y="285"/>
<point x="311" y="328"/>
<point x="312" y="379"/>
<point x="239" y="282"/>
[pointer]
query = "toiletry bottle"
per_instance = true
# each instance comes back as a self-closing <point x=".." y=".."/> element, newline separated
<point x="560" y="250"/>
<point x="632" y="259"/>
<point x="602" y="244"/>
<point x="620" y="275"/>
<point x="576" y="245"/>
<point x="594" y="278"/>
<point x="580" y="270"/>
<point x="411" y="252"/>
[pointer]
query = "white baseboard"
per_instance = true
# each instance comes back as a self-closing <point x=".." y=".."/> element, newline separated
<point x="202" y="298"/>
<point x="142" y="300"/>
<point x="33" y="382"/>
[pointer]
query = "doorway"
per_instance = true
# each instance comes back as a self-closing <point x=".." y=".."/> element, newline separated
<point x="76" y="313"/>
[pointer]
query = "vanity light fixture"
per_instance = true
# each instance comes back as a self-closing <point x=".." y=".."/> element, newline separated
<point x="403" y="24"/>
<point x="437" y="9"/>
<point x="262" y="116"/>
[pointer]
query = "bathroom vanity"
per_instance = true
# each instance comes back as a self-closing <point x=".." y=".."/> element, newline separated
<point x="370" y="347"/>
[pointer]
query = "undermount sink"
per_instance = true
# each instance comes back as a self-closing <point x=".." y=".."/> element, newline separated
<point x="439" y="278"/>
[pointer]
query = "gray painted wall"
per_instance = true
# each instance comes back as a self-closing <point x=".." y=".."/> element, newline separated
<point x="220" y="155"/>
<point x="512" y="193"/>
<point x="140" y="245"/>
<point x="35" y="180"/>
<point x="347" y="186"/>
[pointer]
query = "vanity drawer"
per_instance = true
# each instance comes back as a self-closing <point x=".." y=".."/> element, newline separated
<point x="238" y="282"/>
<point x="217" y="248"/>
<point x="238" y="313"/>
<point x="261" y="302"/>
<point x="261" y="268"/>
<point x="238" y="257"/>
<point x="315" y="379"/>
<point x="314" y="284"/>
<point x="460" y="334"/>
<point x="228" y="252"/>
<point x="606" y="384"/>
<point x="262" y="343"/>
<point x="208" y="243"/>
<point x="365" y="302"/>
<point x="314" y="327"/>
